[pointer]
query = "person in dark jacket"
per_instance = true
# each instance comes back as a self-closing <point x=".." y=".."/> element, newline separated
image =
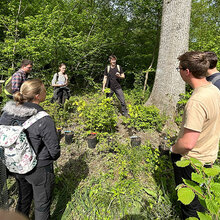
<point x="213" y="75"/>
<point x="38" y="183"/>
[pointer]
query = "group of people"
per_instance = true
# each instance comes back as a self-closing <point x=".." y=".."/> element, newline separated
<point x="27" y="95"/>
<point x="59" y="82"/>
<point x="200" y="130"/>
<point x="38" y="184"/>
<point x="198" y="137"/>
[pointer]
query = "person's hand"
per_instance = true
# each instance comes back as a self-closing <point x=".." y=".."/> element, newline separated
<point x="117" y="74"/>
<point x="103" y="90"/>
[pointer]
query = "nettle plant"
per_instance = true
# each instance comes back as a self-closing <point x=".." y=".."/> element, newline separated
<point x="205" y="184"/>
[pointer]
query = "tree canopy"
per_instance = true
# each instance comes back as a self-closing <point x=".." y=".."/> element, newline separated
<point x="84" y="33"/>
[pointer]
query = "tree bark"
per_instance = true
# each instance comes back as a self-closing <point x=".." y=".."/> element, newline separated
<point x="174" y="41"/>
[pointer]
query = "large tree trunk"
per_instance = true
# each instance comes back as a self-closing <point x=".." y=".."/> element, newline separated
<point x="173" y="42"/>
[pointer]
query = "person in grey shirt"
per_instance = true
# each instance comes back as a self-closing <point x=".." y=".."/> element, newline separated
<point x="60" y="82"/>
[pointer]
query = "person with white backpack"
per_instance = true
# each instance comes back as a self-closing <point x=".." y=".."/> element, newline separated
<point x="41" y="134"/>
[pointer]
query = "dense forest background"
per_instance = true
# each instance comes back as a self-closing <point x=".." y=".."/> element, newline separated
<point x="83" y="34"/>
<point x="114" y="180"/>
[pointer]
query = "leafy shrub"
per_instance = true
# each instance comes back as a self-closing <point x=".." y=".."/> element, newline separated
<point x="136" y="96"/>
<point x="60" y="116"/>
<point x="144" y="118"/>
<point x="204" y="185"/>
<point x="181" y="105"/>
<point x="98" y="115"/>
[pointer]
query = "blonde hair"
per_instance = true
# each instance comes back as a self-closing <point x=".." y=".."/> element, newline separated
<point x="29" y="89"/>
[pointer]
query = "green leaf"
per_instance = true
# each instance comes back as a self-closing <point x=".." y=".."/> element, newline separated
<point x="218" y="200"/>
<point x="202" y="201"/>
<point x="192" y="218"/>
<point x="150" y="192"/>
<point x="185" y="195"/>
<point x="212" y="171"/>
<point x="196" y="162"/>
<point x="215" y="188"/>
<point x="180" y="186"/>
<point x="183" y="163"/>
<point x="212" y="206"/>
<point x="193" y="185"/>
<point x="204" y="216"/>
<point x="197" y="178"/>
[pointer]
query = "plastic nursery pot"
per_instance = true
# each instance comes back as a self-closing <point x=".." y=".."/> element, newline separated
<point x="59" y="133"/>
<point x="164" y="150"/>
<point x="135" y="141"/>
<point x="92" y="140"/>
<point x="68" y="137"/>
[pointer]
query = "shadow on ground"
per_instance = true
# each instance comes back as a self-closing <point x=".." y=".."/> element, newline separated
<point x="67" y="181"/>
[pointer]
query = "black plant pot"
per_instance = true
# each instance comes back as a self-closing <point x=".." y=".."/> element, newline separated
<point x="164" y="150"/>
<point x="59" y="135"/>
<point x="135" y="141"/>
<point x="92" y="141"/>
<point x="68" y="137"/>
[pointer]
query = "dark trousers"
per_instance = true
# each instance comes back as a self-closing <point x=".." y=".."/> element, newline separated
<point x="37" y="185"/>
<point x="185" y="172"/>
<point x="61" y="94"/>
<point x="120" y="95"/>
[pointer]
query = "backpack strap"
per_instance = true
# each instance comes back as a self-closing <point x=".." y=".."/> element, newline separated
<point x="108" y="68"/>
<point x="8" y="86"/>
<point x="34" y="118"/>
<point x="215" y="79"/>
<point x="118" y="67"/>
<point x="57" y="76"/>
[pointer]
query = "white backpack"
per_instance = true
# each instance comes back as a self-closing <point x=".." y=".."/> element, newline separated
<point x="19" y="156"/>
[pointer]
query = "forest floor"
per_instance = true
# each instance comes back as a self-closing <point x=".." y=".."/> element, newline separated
<point x="84" y="162"/>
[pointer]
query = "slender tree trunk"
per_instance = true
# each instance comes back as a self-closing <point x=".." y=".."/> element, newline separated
<point x="146" y="74"/>
<point x="16" y="32"/>
<point x="173" y="42"/>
